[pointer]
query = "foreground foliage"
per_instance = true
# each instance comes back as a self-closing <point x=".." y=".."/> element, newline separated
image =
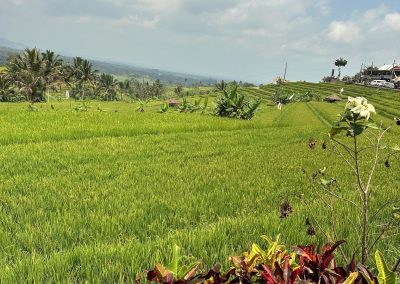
<point x="274" y="265"/>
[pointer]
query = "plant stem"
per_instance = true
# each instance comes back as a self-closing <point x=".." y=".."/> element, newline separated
<point x="357" y="167"/>
<point x="364" y="252"/>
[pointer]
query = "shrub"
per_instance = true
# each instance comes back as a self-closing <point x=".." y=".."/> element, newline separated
<point x="274" y="265"/>
<point x="280" y="97"/>
<point x="235" y="105"/>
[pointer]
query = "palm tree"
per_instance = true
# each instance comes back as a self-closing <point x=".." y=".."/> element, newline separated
<point x="32" y="72"/>
<point x="52" y="68"/>
<point x="220" y="86"/>
<point x="108" y="85"/>
<point x="340" y="63"/>
<point x="6" y="88"/>
<point x="80" y="76"/>
<point x="157" y="89"/>
<point x="126" y="87"/>
<point x="26" y="73"/>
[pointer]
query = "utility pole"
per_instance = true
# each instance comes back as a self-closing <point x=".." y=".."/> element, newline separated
<point x="361" y="71"/>
<point x="394" y="62"/>
<point x="284" y="76"/>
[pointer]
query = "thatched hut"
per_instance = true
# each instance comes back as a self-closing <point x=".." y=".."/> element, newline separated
<point x="173" y="103"/>
<point x="332" y="99"/>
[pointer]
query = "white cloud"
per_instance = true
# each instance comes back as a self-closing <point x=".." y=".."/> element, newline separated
<point x="16" y="2"/>
<point x="160" y="5"/>
<point x="323" y="7"/>
<point x="344" y="32"/>
<point x="374" y="15"/>
<point x="131" y="21"/>
<point x="392" y="21"/>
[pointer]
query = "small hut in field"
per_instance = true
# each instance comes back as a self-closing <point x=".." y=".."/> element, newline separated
<point x="173" y="103"/>
<point x="332" y="99"/>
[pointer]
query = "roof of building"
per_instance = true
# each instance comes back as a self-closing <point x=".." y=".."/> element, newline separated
<point x="388" y="67"/>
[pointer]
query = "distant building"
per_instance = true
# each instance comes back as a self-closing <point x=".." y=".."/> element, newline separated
<point x="387" y="72"/>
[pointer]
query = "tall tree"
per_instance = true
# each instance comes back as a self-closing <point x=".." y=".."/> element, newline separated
<point x="6" y="88"/>
<point x="341" y="62"/>
<point x="108" y="85"/>
<point x="125" y="86"/>
<point x="33" y="72"/>
<point x="80" y="76"/>
<point x="157" y="89"/>
<point x="52" y="68"/>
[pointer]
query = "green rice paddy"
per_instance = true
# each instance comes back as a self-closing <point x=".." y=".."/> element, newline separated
<point x="98" y="196"/>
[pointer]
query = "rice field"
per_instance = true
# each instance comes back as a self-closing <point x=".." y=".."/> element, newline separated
<point x="98" y="196"/>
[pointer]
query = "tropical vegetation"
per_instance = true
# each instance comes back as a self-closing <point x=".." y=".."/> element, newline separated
<point x="31" y="74"/>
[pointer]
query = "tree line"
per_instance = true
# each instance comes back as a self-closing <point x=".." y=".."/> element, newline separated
<point x="31" y="74"/>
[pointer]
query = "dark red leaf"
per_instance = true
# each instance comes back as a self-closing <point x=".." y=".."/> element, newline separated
<point x="295" y="274"/>
<point x="326" y="279"/>
<point x="367" y="273"/>
<point x="151" y="274"/>
<point x="351" y="267"/>
<point x="305" y="252"/>
<point x="325" y="261"/>
<point x="278" y="271"/>
<point x="268" y="275"/>
<point x="332" y="248"/>
<point x="286" y="271"/>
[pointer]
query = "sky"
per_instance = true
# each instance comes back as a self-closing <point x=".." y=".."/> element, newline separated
<point x="248" y="40"/>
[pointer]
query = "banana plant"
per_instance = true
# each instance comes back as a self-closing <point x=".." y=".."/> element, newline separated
<point x="235" y="105"/>
<point x="164" y="107"/>
<point x="142" y="105"/>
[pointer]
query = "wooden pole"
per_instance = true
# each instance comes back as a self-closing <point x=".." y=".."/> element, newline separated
<point x="284" y="76"/>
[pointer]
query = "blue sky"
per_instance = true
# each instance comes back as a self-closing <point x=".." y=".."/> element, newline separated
<point x="247" y="40"/>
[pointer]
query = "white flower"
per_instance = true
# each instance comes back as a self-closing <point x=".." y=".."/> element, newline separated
<point x="360" y="107"/>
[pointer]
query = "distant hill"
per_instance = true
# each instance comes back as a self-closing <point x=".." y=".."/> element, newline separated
<point x="6" y="53"/>
<point x="11" y="44"/>
<point x="121" y="71"/>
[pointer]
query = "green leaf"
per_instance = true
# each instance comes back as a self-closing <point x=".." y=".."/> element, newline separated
<point x="327" y="183"/>
<point x="352" y="277"/>
<point x="396" y="213"/>
<point x="373" y="126"/>
<point x="336" y="130"/>
<point x="395" y="148"/>
<point x="255" y="253"/>
<point x="357" y="128"/>
<point x="176" y="255"/>
<point x="385" y="276"/>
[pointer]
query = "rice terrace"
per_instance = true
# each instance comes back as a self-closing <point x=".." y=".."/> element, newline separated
<point x="113" y="173"/>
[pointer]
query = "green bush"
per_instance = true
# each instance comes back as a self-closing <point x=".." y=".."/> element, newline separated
<point x="235" y="105"/>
